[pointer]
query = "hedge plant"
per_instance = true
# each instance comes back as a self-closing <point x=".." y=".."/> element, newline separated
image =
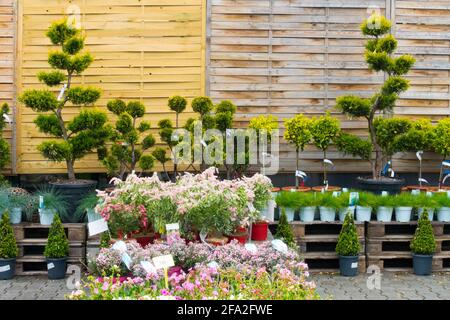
<point x="379" y="55"/>
<point x="348" y="243"/>
<point x="131" y="138"/>
<point x="4" y="146"/>
<point x="284" y="230"/>
<point x="8" y="245"/>
<point x="423" y="241"/>
<point x="88" y="130"/>
<point x="57" y="243"/>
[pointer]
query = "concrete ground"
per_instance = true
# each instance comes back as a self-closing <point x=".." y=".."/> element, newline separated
<point x="392" y="286"/>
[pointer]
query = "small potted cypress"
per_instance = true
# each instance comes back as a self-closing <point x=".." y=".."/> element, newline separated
<point x="423" y="246"/>
<point x="56" y="250"/>
<point x="8" y="249"/>
<point x="284" y="230"/>
<point x="348" y="248"/>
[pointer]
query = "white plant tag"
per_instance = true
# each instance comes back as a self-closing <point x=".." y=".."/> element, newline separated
<point x="345" y="190"/>
<point x="429" y="194"/>
<point x="61" y="93"/>
<point x="415" y="192"/>
<point x="203" y="234"/>
<point x="446" y="164"/>
<point x="172" y="227"/>
<point x="50" y="265"/>
<point x="5" y="268"/>
<point x="126" y="259"/>
<point x="419" y="155"/>
<point x="423" y="180"/>
<point x="120" y="246"/>
<point x="163" y="262"/>
<point x="7" y="118"/>
<point x="148" y="267"/>
<point x="251" y="207"/>
<point x="354" y="265"/>
<point x="328" y="161"/>
<point x="353" y="198"/>
<point x="203" y="143"/>
<point x="300" y="174"/>
<point x="448" y="193"/>
<point x="97" y="227"/>
<point x="336" y="194"/>
<point x="384" y="193"/>
<point x="251" y="247"/>
<point x="445" y="178"/>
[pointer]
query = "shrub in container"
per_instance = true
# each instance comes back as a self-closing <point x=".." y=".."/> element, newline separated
<point x="404" y="204"/>
<point x="423" y="246"/>
<point x="18" y="203"/>
<point x="8" y="249"/>
<point x="86" y="206"/>
<point x="288" y="201"/>
<point x="365" y="205"/>
<point x="348" y="248"/>
<point x="57" y="250"/>
<point x="443" y="204"/>
<point x="308" y="204"/>
<point x="284" y="230"/>
<point x="51" y="203"/>
<point x="424" y="202"/>
<point x="384" y="208"/>
<point x="344" y="206"/>
<point x="328" y="205"/>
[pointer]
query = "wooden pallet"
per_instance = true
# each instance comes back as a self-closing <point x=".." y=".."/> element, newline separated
<point x="393" y="245"/>
<point x="381" y="229"/>
<point x="320" y="263"/>
<point x="92" y="249"/>
<point x="74" y="231"/>
<point x="77" y="249"/>
<point x="404" y="262"/>
<point x="321" y="244"/>
<point x="37" y="265"/>
<point x="302" y="230"/>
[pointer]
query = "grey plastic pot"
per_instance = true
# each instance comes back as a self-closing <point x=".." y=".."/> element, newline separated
<point x="403" y="214"/>
<point x="290" y="214"/>
<point x="343" y="212"/>
<point x="348" y="265"/>
<point x="363" y="213"/>
<point x="7" y="268"/>
<point x="56" y="268"/>
<point x="46" y="216"/>
<point x="307" y="214"/>
<point x="430" y="213"/>
<point x="15" y="215"/>
<point x="444" y="214"/>
<point x="422" y="264"/>
<point x="327" y="214"/>
<point x="384" y="214"/>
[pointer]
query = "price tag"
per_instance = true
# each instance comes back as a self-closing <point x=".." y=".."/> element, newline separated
<point x="148" y="267"/>
<point x="5" y="268"/>
<point x="251" y="247"/>
<point x="120" y="246"/>
<point x="415" y="192"/>
<point x="50" y="265"/>
<point x="353" y="198"/>
<point x="251" y="207"/>
<point x="354" y="265"/>
<point x="429" y="194"/>
<point x="336" y="194"/>
<point x="97" y="227"/>
<point x="126" y="259"/>
<point x="448" y="193"/>
<point x="163" y="262"/>
<point x="384" y="193"/>
<point x="172" y="227"/>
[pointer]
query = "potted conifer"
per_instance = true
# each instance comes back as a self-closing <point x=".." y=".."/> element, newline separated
<point x="348" y="248"/>
<point x="423" y="246"/>
<point x="8" y="249"/>
<point x="57" y="250"/>
<point x="80" y="135"/>
<point x="284" y="230"/>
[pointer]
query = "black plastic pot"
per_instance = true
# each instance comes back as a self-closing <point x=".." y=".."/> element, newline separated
<point x="349" y="265"/>
<point x="422" y="264"/>
<point x="56" y="268"/>
<point x="74" y="191"/>
<point x="7" y="268"/>
<point x="393" y="186"/>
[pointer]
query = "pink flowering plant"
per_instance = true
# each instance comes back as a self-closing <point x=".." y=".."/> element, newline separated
<point x="124" y="219"/>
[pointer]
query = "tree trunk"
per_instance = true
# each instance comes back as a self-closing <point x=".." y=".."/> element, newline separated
<point x="325" y="178"/>
<point x="441" y="173"/>
<point x="378" y="163"/>
<point x="297" y="168"/>
<point x="70" y="169"/>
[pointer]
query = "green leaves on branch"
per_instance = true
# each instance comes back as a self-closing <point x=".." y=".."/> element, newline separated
<point x="59" y="32"/>
<point x="148" y="142"/>
<point x="376" y="25"/>
<point x="324" y="130"/>
<point x="424" y="241"/>
<point x="52" y="79"/>
<point x="39" y="100"/>
<point x="80" y="63"/>
<point x="348" y="242"/>
<point x="117" y="106"/>
<point x="160" y="155"/>
<point x="441" y="138"/>
<point x="177" y="104"/>
<point x="298" y="131"/>
<point x="350" y="144"/>
<point x="135" y="109"/>
<point x="88" y="120"/>
<point x="354" y="106"/>
<point x="55" y="150"/>
<point x="57" y="243"/>
<point x="8" y="245"/>
<point x="49" y="124"/>
<point x="73" y="45"/>
<point x="83" y="96"/>
<point x="387" y="129"/>
<point x="146" y="163"/>
<point x="418" y="138"/>
<point x="202" y="105"/>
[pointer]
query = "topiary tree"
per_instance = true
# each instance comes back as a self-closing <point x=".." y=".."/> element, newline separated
<point x="380" y="47"/>
<point x="348" y="243"/>
<point x="8" y="245"/>
<point x="298" y="132"/>
<point x="284" y="230"/>
<point x="160" y="155"/>
<point x="267" y="124"/>
<point x="129" y="146"/>
<point x="423" y="241"/>
<point x="178" y="105"/>
<point x="88" y="130"/>
<point x="57" y="243"/>
<point x="4" y="146"/>
<point x="324" y="130"/>
<point x="441" y="144"/>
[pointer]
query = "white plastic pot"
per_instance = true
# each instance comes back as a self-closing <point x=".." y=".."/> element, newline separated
<point x="343" y="212"/>
<point x="327" y="214"/>
<point x="15" y="215"/>
<point x="269" y="211"/>
<point x="430" y="213"/>
<point x="46" y="216"/>
<point x="444" y="214"/>
<point x="384" y="214"/>
<point x="307" y="214"/>
<point x="290" y="214"/>
<point x="403" y="214"/>
<point x="363" y="213"/>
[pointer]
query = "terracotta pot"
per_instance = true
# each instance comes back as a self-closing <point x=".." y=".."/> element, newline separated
<point x="275" y="189"/>
<point x="241" y="235"/>
<point x="297" y="189"/>
<point x="260" y="230"/>
<point x="330" y="188"/>
<point x="421" y="188"/>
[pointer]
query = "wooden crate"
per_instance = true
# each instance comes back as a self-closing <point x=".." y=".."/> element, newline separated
<point x="303" y="230"/>
<point x="34" y="247"/>
<point x="37" y="265"/>
<point x="92" y="249"/>
<point x="394" y="245"/>
<point x="74" y="231"/>
<point x="404" y="262"/>
<point x="321" y="263"/>
<point x="325" y="245"/>
<point x="377" y="229"/>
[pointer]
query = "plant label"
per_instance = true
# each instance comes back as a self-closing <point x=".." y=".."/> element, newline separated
<point x="384" y="193"/>
<point x="251" y="207"/>
<point x="5" y="268"/>
<point x="61" y="93"/>
<point x="354" y="265"/>
<point x="120" y="246"/>
<point x="415" y="192"/>
<point x="429" y="194"/>
<point x="423" y="180"/>
<point x="97" y="227"/>
<point x="203" y="143"/>
<point x="50" y="266"/>
<point x="419" y="155"/>
<point x="251" y="247"/>
<point x="448" y="193"/>
<point x="126" y="259"/>
<point x="336" y="194"/>
<point x="293" y="190"/>
<point x="353" y="198"/>
<point x="300" y="174"/>
<point x="345" y="190"/>
<point x="163" y="262"/>
<point x="148" y="267"/>
<point x="172" y="226"/>
<point x="203" y="235"/>
<point x="328" y="162"/>
<point x="7" y="118"/>
<point x="446" y="164"/>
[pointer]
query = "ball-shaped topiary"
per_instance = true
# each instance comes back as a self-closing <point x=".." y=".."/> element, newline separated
<point x="202" y="105"/>
<point x="348" y="243"/>
<point x="8" y="245"/>
<point x="57" y="243"/>
<point x="423" y="241"/>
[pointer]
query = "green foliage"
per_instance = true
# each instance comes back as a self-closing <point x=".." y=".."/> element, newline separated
<point x="202" y="105"/>
<point x="405" y="199"/>
<point x="376" y="25"/>
<point x="55" y="150"/>
<point x="57" y="243"/>
<point x="8" y="245"/>
<point x="83" y="96"/>
<point x="4" y="146"/>
<point x="442" y="200"/>
<point x="146" y="162"/>
<point x="348" y="243"/>
<point x="418" y="138"/>
<point x="60" y="31"/>
<point x="298" y="131"/>
<point x="117" y="106"/>
<point x="354" y="145"/>
<point x="105" y="239"/>
<point x="387" y="129"/>
<point x="423" y="241"/>
<point x="324" y="130"/>
<point x="402" y="65"/>
<point x="52" y="79"/>
<point x="284" y="230"/>
<point x="39" y="100"/>
<point x="48" y="124"/>
<point x="73" y="45"/>
<point x="287" y="199"/>
<point x="177" y="104"/>
<point x="327" y="200"/>
<point x="441" y="137"/>
<point x="53" y="199"/>
<point x="89" y="202"/>
<point x="224" y="121"/>
<point x="367" y="199"/>
<point x="353" y="106"/>
<point x="384" y="201"/>
<point x="424" y="201"/>
<point x="160" y="155"/>
<point x="226" y="106"/>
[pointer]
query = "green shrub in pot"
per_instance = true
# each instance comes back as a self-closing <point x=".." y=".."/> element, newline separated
<point x="425" y="202"/>
<point x="290" y="201"/>
<point x="384" y="207"/>
<point x="54" y="203"/>
<point x="8" y="249"/>
<point x="308" y="203"/>
<point x="57" y="250"/>
<point x="423" y="246"/>
<point x="348" y="247"/>
<point x="365" y="205"/>
<point x="284" y="230"/>
<point x="344" y="206"/>
<point x="328" y="205"/>
<point x="86" y="206"/>
<point x="404" y="204"/>
<point x="443" y="205"/>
